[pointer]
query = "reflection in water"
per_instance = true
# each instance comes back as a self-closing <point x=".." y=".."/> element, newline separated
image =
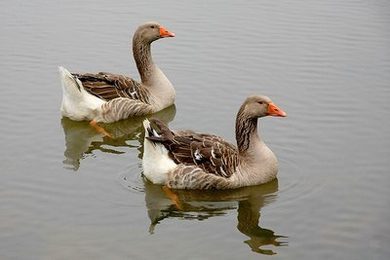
<point x="201" y="205"/>
<point x="81" y="139"/>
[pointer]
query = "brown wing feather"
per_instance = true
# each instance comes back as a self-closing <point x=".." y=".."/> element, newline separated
<point x="214" y="155"/>
<point x="209" y="152"/>
<point x="109" y="86"/>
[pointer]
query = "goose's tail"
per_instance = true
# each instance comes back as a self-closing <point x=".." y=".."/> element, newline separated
<point x="77" y="103"/>
<point x="70" y="84"/>
<point x="157" y="131"/>
<point x="156" y="162"/>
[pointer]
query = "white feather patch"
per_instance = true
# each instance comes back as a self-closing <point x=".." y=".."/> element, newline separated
<point x="156" y="162"/>
<point x="77" y="104"/>
<point x="198" y="156"/>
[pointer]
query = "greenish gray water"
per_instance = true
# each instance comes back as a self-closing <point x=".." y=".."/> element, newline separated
<point x="68" y="193"/>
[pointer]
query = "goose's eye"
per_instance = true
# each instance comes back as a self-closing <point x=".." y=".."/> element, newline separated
<point x="261" y="102"/>
<point x="152" y="26"/>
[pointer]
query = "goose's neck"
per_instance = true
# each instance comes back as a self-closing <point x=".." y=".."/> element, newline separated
<point x="257" y="163"/>
<point x="247" y="136"/>
<point x="162" y="93"/>
<point x="143" y="58"/>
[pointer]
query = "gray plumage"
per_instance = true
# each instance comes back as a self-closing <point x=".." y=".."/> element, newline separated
<point x="116" y="97"/>
<point x="207" y="161"/>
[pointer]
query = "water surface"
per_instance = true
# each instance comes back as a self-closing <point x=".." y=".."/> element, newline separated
<point x="66" y="192"/>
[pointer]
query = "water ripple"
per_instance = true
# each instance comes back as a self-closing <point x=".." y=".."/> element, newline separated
<point x="131" y="178"/>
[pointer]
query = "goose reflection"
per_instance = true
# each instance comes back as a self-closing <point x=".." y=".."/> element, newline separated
<point x="202" y="205"/>
<point x="81" y="139"/>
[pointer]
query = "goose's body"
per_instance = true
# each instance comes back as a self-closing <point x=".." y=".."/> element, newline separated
<point x="190" y="160"/>
<point x="106" y="97"/>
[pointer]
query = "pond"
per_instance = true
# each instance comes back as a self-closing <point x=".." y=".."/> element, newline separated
<point x="67" y="192"/>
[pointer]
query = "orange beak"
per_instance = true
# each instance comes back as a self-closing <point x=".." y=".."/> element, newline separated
<point x="165" y="33"/>
<point x="273" y="110"/>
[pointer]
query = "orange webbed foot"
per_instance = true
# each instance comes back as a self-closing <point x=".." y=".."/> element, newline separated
<point x="173" y="197"/>
<point x="99" y="129"/>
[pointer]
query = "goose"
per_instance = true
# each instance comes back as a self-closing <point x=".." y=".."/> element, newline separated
<point x="191" y="160"/>
<point x="107" y="97"/>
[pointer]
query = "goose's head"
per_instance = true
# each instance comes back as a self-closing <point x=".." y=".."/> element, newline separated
<point x="260" y="106"/>
<point x="151" y="31"/>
